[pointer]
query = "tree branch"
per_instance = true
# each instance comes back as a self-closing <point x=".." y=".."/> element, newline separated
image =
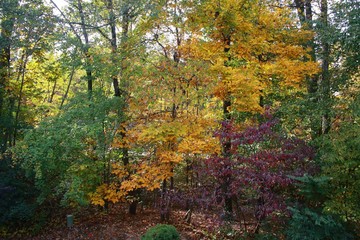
<point x="67" y="21"/>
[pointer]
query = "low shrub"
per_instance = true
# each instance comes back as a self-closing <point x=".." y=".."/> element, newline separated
<point x="161" y="232"/>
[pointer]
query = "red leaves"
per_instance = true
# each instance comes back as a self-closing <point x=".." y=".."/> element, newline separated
<point x="262" y="159"/>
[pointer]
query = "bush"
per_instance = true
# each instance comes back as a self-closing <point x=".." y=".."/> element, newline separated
<point x="307" y="224"/>
<point x="161" y="232"/>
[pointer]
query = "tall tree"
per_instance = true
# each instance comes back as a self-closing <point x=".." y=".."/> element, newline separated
<point x="8" y="17"/>
<point x="86" y="47"/>
<point x="325" y="73"/>
<point x="26" y="29"/>
<point x="84" y="43"/>
<point x="252" y="45"/>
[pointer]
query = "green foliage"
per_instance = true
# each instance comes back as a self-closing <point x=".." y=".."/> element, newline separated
<point x="68" y="156"/>
<point x="314" y="189"/>
<point x="161" y="232"/>
<point x="340" y="160"/>
<point x="17" y="196"/>
<point x="307" y="224"/>
<point x="346" y="19"/>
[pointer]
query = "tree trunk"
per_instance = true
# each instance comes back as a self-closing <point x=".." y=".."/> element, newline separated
<point x="120" y="90"/>
<point x="86" y="48"/>
<point x="68" y="86"/>
<point x="51" y="98"/>
<point x="164" y="204"/>
<point x="305" y="14"/>
<point x="226" y="146"/>
<point x="113" y="43"/>
<point x="300" y="7"/>
<point x="325" y="75"/>
<point x="7" y="26"/>
<point x="304" y="10"/>
<point x="22" y="70"/>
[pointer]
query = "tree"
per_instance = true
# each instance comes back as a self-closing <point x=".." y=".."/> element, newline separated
<point x="259" y="167"/>
<point x="24" y="38"/>
<point x="84" y="44"/>
<point x="253" y="46"/>
<point x="26" y="29"/>
<point x="70" y="154"/>
<point x="8" y="11"/>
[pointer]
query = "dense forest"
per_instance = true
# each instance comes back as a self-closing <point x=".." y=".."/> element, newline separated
<point x="243" y="111"/>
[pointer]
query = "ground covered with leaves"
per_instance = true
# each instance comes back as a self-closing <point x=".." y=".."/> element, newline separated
<point x="117" y="224"/>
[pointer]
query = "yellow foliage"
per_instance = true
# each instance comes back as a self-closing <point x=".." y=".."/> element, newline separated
<point x="119" y="170"/>
<point x="249" y="43"/>
<point x="97" y="198"/>
<point x="236" y="50"/>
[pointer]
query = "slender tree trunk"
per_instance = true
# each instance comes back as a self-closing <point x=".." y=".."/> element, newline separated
<point x="68" y="86"/>
<point x="226" y="146"/>
<point x="113" y="43"/>
<point x="51" y="98"/>
<point x="325" y="75"/>
<point x="86" y="48"/>
<point x="17" y="114"/>
<point x="300" y="7"/>
<point x="166" y="198"/>
<point x="10" y="116"/>
<point x="7" y="26"/>
<point x="120" y="91"/>
<point x="312" y="81"/>
<point x="165" y="203"/>
<point x="305" y="14"/>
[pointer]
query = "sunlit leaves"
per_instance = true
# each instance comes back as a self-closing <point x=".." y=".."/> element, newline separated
<point x="263" y="42"/>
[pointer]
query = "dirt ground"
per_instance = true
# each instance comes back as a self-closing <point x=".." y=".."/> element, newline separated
<point x="117" y="224"/>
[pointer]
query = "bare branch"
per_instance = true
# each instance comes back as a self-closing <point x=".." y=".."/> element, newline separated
<point x="67" y="21"/>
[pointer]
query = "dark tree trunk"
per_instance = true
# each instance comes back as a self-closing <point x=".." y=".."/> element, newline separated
<point x="164" y="204"/>
<point x="305" y="14"/>
<point x="312" y="81"/>
<point x="7" y="26"/>
<point x="113" y="43"/>
<point x="68" y="86"/>
<point x="304" y="10"/>
<point x="51" y="98"/>
<point x="325" y="75"/>
<point x="300" y="7"/>
<point x="133" y="207"/>
<point x="86" y="48"/>
<point x="120" y="88"/>
<point x="22" y="70"/>
<point x="226" y="146"/>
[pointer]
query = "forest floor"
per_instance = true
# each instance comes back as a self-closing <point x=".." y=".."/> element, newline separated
<point x="117" y="224"/>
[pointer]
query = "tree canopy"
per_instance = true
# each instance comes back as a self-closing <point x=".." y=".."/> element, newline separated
<point x="248" y="109"/>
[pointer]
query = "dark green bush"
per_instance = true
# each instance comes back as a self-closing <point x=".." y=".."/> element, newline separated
<point x="161" y="232"/>
<point x="307" y="224"/>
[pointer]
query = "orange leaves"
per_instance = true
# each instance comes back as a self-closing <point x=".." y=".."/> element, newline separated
<point x="97" y="198"/>
<point x="235" y="50"/>
<point x="106" y="192"/>
<point x="191" y="145"/>
<point x="118" y="143"/>
<point x="162" y="132"/>
<point x="169" y="157"/>
<point x="144" y="176"/>
<point x="150" y="175"/>
<point x="249" y="43"/>
<point x="190" y="136"/>
<point x="198" y="139"/>
<point x="119" y="171"/>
